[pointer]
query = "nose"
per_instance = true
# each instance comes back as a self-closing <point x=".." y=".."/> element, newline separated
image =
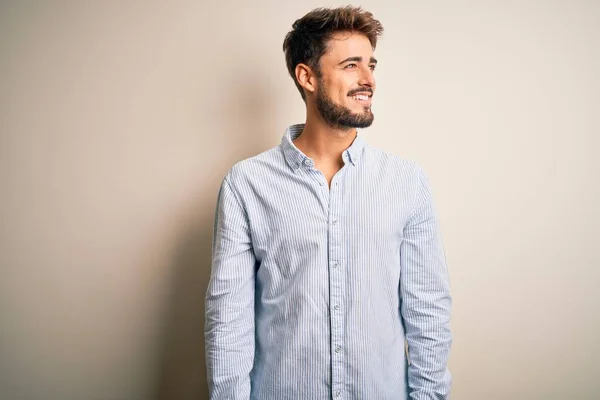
<point x="367" y="78"/>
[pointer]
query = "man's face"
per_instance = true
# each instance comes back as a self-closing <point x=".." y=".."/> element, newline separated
<point x="346" y="84"/>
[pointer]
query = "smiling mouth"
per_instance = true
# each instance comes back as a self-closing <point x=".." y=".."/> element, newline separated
<point x="362" y="98"/>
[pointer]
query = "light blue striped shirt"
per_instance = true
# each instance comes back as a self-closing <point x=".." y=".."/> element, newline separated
<point x="314" y="289"/>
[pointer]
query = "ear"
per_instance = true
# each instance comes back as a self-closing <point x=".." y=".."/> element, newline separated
<point x="306" y="77"/>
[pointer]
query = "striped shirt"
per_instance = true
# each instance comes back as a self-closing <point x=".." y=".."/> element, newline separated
<point x="315" y="288"/>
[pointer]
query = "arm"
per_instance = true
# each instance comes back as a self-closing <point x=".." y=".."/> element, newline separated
<point x="426" y="301"/>
<point x="229" y="327"/>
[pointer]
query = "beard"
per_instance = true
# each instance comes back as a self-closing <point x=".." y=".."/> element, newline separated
<point x="338" y="116"/>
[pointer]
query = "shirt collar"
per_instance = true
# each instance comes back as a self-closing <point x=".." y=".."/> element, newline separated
<point x="295" y="158"/>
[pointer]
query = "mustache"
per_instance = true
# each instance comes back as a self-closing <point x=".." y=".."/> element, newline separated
<point x="361" y="90"/>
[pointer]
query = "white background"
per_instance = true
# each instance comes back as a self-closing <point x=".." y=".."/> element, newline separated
<point x="118" y="121"/>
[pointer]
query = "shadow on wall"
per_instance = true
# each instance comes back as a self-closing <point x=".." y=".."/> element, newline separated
<point x="246" y="131"/>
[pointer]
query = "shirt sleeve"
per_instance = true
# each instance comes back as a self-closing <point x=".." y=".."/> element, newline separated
<point x="229" y="326"/>
<point x="426" y="300"/>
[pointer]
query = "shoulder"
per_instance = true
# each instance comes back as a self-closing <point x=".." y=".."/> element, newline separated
<point x="398" y="166"/>
<point x="402" y="176"/>
<point x="259" y="166"/>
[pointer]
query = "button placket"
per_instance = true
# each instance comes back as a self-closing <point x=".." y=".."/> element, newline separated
<point x="337" y="283"/>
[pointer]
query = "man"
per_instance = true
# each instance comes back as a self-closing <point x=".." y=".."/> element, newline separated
<point x="327" y="254"/>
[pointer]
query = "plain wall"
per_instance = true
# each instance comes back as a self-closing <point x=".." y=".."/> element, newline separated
<point x="118" y="121"/>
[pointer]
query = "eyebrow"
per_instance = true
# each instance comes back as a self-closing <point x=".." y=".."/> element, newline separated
<point x="359" y="59"/>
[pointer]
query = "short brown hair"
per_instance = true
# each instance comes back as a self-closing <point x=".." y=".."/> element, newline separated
<point x="307" y="41"/>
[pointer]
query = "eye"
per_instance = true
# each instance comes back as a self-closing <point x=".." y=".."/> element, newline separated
<point x="351" y="65"/>
<point x="372" y="66"/>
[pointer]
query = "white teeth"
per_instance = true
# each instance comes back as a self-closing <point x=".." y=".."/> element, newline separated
<point x="361" y="97"/>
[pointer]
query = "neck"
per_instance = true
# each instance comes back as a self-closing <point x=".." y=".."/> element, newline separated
<point x="321" y="142"/>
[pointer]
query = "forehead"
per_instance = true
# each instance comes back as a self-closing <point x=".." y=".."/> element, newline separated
<point x="347" y="44"/>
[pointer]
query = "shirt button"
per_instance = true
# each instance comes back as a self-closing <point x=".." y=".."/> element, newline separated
<point x="336" y="307"/>
<point x="338" y="349"/>
<point x="334" y="221"/>
<point x="335" y="264"/>
<point x="306" y="161"/>
<point x="338" y="393"/>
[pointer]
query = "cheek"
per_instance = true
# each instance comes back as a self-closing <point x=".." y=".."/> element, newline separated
<point x="339" y="86"/>
<point x="343" y="92"/>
